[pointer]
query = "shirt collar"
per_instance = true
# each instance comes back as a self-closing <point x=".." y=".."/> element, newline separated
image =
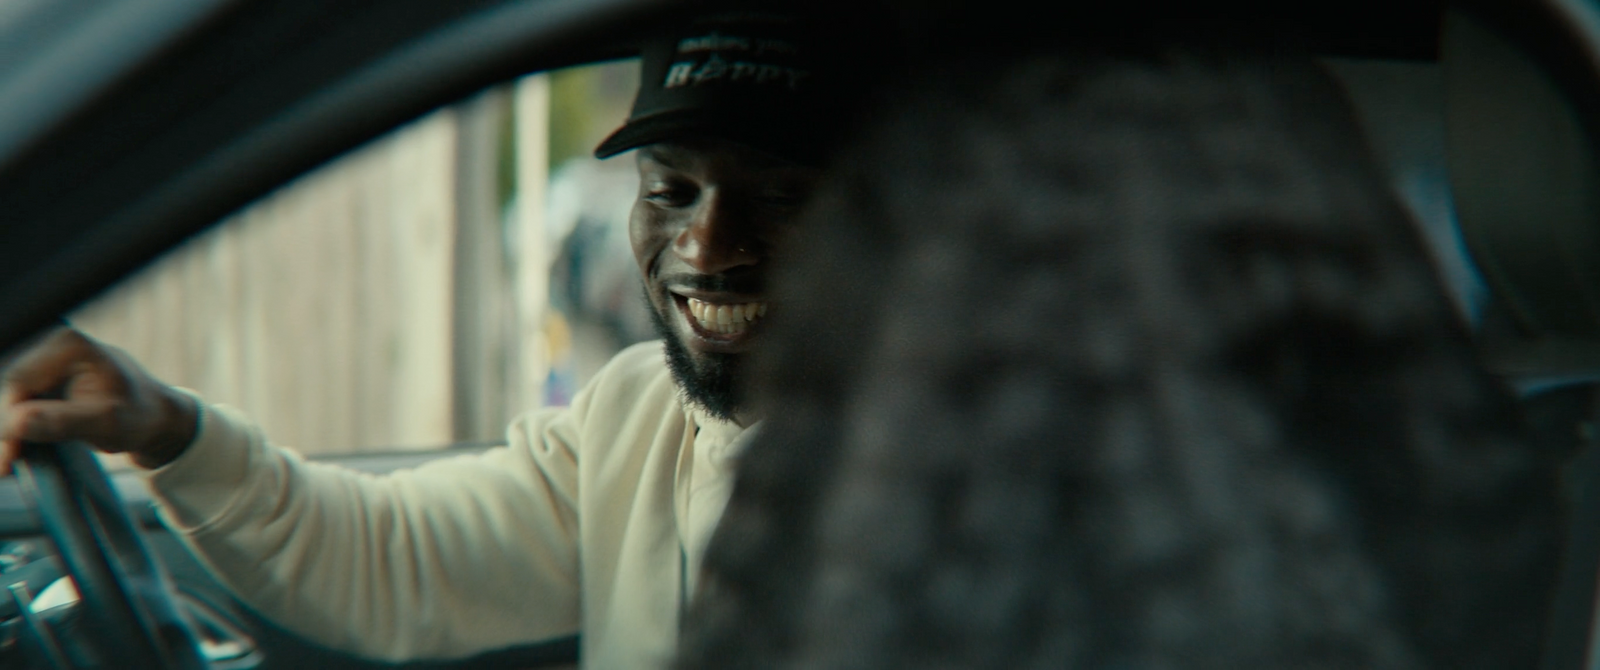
<point x="731" y="436"/>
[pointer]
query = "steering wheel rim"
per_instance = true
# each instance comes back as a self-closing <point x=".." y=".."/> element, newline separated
<point x="124" y="594"/>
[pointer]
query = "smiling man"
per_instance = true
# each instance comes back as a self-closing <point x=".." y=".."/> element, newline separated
<point x="591" y="521"/>
<point x="709" y="213"/>
<point x="730" y="124"/>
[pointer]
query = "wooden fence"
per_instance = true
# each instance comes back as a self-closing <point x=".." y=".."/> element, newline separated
<point x="372" y="304"/>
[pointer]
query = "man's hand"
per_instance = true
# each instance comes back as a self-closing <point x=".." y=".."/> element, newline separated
<point x="66" y="386"/>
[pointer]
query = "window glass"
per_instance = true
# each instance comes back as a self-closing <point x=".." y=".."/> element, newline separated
<point x="415" y="293"/>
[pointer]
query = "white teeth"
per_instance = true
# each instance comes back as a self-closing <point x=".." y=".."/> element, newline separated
<point x="726" y="319"/>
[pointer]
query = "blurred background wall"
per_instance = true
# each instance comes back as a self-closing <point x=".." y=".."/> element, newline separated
<point x="417" y="292"/>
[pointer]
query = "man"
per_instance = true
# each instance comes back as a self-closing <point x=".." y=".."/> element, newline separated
<point x="592" y="520"/>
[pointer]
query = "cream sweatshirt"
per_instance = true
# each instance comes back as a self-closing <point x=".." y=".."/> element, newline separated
<point x="591" y="520"/>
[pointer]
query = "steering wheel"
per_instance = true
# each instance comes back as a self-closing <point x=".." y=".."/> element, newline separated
<point x="124" y="594"/>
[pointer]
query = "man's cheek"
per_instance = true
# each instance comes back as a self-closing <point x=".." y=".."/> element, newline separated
<point x="641" y="236"/>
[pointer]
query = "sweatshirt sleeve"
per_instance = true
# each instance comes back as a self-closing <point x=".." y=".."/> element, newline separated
<point x="459" y="556"/>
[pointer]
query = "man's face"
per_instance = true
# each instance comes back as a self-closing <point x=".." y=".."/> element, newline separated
<point x="708" y="215"/>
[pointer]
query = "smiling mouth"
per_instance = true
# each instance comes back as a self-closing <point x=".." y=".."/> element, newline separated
<point x="725" y="319"/>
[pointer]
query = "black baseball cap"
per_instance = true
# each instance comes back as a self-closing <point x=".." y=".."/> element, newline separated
<point x="776" y="82"/>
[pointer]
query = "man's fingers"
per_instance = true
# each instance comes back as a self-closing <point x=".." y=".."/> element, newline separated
<point x="42" y="367"/>
<point x="37" y="367"/>
<point x="9" y="356"/>
<point x="92" y="421"/>
<point x="10" y="451"/>
<point x="10" y="394"/>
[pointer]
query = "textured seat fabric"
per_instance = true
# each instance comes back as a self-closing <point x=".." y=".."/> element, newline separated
<point x="1112" y="362"/>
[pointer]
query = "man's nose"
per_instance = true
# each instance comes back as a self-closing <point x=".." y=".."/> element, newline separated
<point x="719" y="238"/>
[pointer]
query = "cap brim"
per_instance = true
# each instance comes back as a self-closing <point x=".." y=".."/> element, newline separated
<point x="766" y="135"/>
<point x="676" y="124"/>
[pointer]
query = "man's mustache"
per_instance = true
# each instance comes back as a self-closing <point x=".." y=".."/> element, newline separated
<point x="738" y="283"/>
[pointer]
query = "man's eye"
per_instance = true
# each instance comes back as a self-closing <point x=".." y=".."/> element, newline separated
<point x="670" y="196"/>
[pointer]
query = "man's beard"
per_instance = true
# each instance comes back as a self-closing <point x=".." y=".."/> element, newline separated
<point x="713" y="385"/>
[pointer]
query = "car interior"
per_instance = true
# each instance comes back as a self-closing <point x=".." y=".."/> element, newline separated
<point x="127" y="128"/>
